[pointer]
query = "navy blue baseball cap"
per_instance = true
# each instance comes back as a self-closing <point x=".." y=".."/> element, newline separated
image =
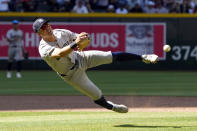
<point x="38" y="23"/>
<point x="15" y="21"/>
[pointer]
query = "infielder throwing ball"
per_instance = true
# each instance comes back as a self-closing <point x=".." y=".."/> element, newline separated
<point x="57" y="49"/>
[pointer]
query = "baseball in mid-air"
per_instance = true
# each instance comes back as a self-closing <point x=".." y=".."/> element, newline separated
<point x="166" y="48"/>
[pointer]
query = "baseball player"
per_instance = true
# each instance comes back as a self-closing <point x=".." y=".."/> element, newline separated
<point x="16" y="49"/>
<point x="57" y="49"/>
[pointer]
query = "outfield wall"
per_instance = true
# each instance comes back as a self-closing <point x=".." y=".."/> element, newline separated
<point x="135" y="33"/>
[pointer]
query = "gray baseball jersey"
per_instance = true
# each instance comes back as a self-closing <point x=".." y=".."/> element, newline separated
<point x="72" y="68"/>
<point x="15" y="44"/>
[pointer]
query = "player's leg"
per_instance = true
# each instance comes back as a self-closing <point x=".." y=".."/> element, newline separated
<point x="18" y="68"/>
<point x="19" y="58"/>
<point x="11" y="54"/>
<point x="96" y="58"/>
<point x="123" y="56"/>
<point x="115" y="107"/>
<point x="81" y="82"/>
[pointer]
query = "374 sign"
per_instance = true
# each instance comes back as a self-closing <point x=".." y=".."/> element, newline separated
<point x="184" y="52"/>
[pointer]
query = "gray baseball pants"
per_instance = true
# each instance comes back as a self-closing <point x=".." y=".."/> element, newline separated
<point x="78" y="77"/>
<point x="15" y="53"/>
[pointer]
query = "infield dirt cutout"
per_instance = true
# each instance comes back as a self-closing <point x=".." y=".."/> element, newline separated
<point x="83" y="103"/>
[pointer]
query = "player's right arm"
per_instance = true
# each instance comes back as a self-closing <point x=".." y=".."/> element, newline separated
<point x="8" y="36"/>
<point x="62" y="52"/>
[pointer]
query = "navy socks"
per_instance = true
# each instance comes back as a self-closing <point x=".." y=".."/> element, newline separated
<point x="18" y="66"/>
<point x="123" y="56"/>
<point x="9" y="66"/>
<point x="102" y="102"/>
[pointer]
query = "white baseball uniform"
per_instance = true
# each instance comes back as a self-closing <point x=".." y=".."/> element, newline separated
<point x="72" y="68"/>
<point x="15" y="45"/>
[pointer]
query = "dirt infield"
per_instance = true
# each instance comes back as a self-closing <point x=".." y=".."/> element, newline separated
<point x="73" y="103"/>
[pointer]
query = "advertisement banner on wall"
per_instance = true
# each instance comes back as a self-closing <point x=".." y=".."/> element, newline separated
<point x="145" y="38"/>
<point x="130" y="37"/>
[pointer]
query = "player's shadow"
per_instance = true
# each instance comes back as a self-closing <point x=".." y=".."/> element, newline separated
<point x="138" y="126"/>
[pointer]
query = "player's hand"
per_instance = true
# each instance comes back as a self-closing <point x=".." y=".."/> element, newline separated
<point x="81" y="37"/>
<point x="16" y="38"/>
<point x="82" y="40"/>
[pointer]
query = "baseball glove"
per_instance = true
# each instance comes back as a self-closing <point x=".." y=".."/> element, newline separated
<point x="26" y="55"/>
<point x="84" y="44"/>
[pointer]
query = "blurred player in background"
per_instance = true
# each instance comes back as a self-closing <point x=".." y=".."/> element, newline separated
<point x="57" y="49"/>
<point x="16" y="48"/>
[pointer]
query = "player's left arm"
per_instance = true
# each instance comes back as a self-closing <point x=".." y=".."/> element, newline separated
<point x="22" y="42"/>
<point x="8" y="36"/>
<point x="83" y="44"/>
<point x="61" y="52"/>
<point x="25" y="52"/>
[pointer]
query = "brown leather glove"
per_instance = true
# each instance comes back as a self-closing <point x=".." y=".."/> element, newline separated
<point x="84" y="43"/>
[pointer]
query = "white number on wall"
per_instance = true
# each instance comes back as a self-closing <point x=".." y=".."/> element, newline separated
<point x="177" y="53"/>
<point x="184" y="52"/>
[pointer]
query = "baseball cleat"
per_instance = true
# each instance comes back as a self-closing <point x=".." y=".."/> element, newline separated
<point x="18" y="75"/>
<point x="118" y="108"/>
<point x="9" y="75"/>
<point x="152" y="58"/>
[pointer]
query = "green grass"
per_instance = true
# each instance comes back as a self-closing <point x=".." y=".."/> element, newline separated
<point x="164" y="83"/>
<point x="98" y="121"/>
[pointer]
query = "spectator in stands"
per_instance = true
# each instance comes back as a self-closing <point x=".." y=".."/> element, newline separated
<point x="137" y="8"/>
<point x="171" y="5"/>
<point x="12" y="5"/>
<point x="192" y="5"/>
<point x="4" y="5"/>
<point x="160" y="8"/>
<point x="175" y="8"/>
<point x="60" y="2"/>
<point x="93" y="4"/>
<point x="122" y="7"/>
<point x="67" y="6"/>
<point x="88" y="5"/>
<point x="80" y="7"/>
<point x="111" y="9"/>
<point x="24" y="4"/>
<point x="102" y="5"/>
<point x="121" y="10"/>
<point x="28" y="6"/>
<point x="43" y="6"/>
<point x="114" y="3"/>
<point x="19" y="6"/>
<point x="195" y="9"/>
<point x="185" y="7"/>
<point x="149" y="8"/>
<point x="54" y="6"/>
<point x="132" y="3"/>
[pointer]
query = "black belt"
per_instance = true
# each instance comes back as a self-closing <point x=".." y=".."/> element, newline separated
<point x="14" y="46"/>
<point x="76" y="65"/>
<point x="62" y="75"/>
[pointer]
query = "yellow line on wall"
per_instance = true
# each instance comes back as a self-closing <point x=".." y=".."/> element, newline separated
<point x="112" y="15"/>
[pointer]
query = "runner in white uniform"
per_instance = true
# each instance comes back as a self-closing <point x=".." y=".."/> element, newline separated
<point x="57" y="49"/>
